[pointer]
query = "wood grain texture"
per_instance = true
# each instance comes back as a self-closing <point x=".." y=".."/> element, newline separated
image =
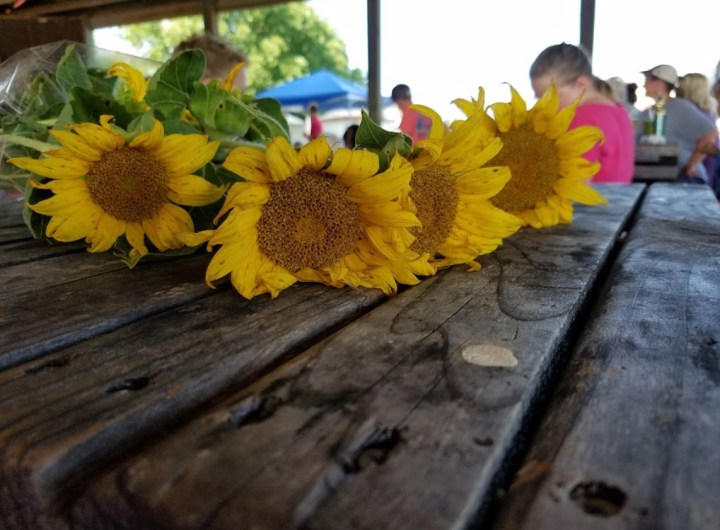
<point x="37" y="322"/>
<point x="106" y="394"/>
<point x="382" y="425"/>
<point x="630" y="441"/>
<point x="10" y="211"/>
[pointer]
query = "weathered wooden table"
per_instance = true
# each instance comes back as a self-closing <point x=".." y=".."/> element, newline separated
<point x="142" y="400"/>
<point x="656" y="162"/>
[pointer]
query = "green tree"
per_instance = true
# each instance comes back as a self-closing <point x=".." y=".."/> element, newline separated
<point x="282" y="42"/>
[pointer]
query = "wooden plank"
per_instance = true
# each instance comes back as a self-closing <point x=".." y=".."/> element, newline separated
<point x="656" y="152"/>
<point x="39" y="321"/>
<point x="631" y="438"/>
<point x="32" y="276"/>
<point x="12" y="234"/>
<point x="28" y="250"/>
<point x="10" y="211"/>
<point x="107" y="394"/>
<point x="655" y="172"/>
<point x="383" y="425"/>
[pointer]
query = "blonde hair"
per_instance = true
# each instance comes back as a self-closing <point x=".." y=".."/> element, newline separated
<point x="696" y="88"/>
<point x="221" y="56"/>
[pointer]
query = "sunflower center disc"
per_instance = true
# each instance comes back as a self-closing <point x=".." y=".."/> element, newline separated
<point x="128" y="184"/>
<point x="534" y="168"/>
<point x="436" y="199"/>
<point x="308" y="222"/>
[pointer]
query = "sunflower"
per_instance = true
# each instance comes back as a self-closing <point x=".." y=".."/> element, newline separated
<point x="296" y="218"/>
<point x="134" y="79"/>
<point x="105" y="187"/>
<point x="451" y="187"/>
<point x="229" y="82"/>
<point x="545" y="160"/>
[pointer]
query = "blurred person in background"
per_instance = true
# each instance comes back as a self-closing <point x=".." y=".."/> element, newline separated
<point x="568" y="66"/>
<point x="220" y="57"/>
<point x="695" y="88"/>
<point x="685" y="125"/>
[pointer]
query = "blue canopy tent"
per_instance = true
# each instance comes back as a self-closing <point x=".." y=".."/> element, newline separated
<point x="322" y="87"/>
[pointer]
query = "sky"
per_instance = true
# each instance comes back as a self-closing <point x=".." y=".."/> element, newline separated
<point x="447" y="49"/>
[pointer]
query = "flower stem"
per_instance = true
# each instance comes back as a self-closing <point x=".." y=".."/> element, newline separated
<point x="27" y="142"/>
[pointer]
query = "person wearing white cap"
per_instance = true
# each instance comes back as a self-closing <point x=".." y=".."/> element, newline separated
<point x="685" y="125"/>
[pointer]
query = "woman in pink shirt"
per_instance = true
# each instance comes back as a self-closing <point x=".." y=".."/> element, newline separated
<point x="569" y="68"/>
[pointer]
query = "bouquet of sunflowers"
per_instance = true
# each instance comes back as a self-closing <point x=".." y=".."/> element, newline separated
<point x="167" y="164"/>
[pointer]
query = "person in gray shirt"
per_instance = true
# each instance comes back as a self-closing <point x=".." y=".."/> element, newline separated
<point x="685" y="125"/>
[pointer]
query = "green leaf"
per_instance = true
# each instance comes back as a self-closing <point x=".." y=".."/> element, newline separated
<point x="218" y="110"/>
<point x="36" y="223"/>
<point x="101" y="82"/>
<point x="382" y="142"/>
<point x="43" y="98"/>
<point x="71" y="71"/>
<point x="87" y="107"/>
<point x="177" y="126"/>
<point x="169" y="88"/>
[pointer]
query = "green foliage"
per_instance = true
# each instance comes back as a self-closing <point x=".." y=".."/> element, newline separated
<point x="282" y="42"/>
<point x="74" y="94"/>
<point x="383" y="143"/>
<point x="169" y="87"/>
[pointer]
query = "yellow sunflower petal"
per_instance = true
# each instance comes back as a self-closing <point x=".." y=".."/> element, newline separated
<point x="561" y="121"/>
<point x="164" y="227"/>
<point x="98" y="137"/>
<point x="105" y="233"/>
<point x="380" y="278"/>
<point x="437" y="129"/>
<point x="54" y="168"/>
<point x="519" y="108"/>
<point x="503" y="116"/>
<point x="238" y="227"/>
<point x="229" y="82"/>
<point x="353" y="166"/>
<point x="544" y="110"/>
<point x="315" y="154"/>
<point x="577" y="141"/>
<point x="578" y="192"/>
<point x="548" y="216"/>
<point x="76" y="146"/>
<point x="223" y="262"/>
<point x="183" y="154"/>
<point x="244" y="195"/>
<point x="136" y="238"/>
<point x="531" y="218"/>
<point x="75" y="226"/>
<point x="194" y="239"/>
<point x="150" y="140"/>
<point x="191" y="190"/>
<point x="133" y="77"/>
<point x="282" y="160"/>
<point x="248" y="163"/>
<point x="578" y="168"/>
<point x="64" y="203"/>
<point x="389" y="214"/>
<point x="277" y="280"/>
<point x="563" y="207"/>
<point x="465" y="106"/>
<point x="483" y="182"/>
<point x="243" y="275"/>
<point x="383" y="187"/>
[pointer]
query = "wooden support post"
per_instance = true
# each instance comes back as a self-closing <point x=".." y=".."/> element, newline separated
<point x="210" y="17"/>
<point x="373" y="25"/>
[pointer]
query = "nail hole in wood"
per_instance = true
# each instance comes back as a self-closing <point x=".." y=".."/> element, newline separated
<point x="598" y="498"/>
<point x="54" y="363"/>
<point x="129" y="385"/>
